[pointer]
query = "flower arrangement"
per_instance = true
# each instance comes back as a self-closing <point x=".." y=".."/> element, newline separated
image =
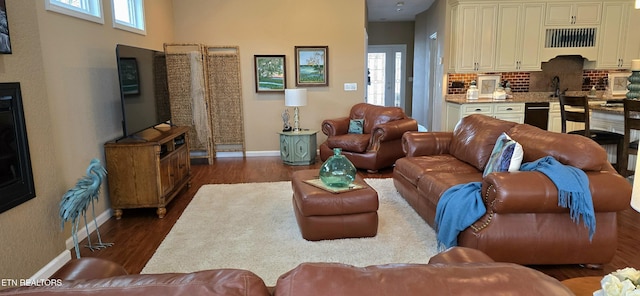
<point x="622" y="282"/>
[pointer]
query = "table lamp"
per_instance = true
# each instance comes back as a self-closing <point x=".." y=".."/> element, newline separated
<point x="295" y="98"/>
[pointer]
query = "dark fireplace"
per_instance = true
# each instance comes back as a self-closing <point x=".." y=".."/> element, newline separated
<point x="16" y="179"/>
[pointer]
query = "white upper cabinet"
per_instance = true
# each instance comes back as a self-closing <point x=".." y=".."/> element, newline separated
<point x="475" y="37"/>
<point x="618" y="45"/>
<point x="519" y="36"/>
<point x="504" y="36"/>
<point x="573" y="13"/>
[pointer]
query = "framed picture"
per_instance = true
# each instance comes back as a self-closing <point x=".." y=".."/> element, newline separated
<point x="130" y="77"/>
<point x="271" y="74"/>
<point x="618" y="82"/>
<point x="312" y="65"/>
<point x="5" y="42"/>
<point x="487" y="84"/>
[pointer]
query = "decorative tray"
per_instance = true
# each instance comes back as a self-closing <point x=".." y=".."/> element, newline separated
<point x="318" y="183"/>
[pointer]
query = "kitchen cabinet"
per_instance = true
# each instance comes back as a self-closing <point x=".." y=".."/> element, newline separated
<point x="505" y="111"/>
<point x="618" y="43"/>
<point x="613" y="122"/>
<point x="519" y="35"/>
<point x="555" y="120"/>
<point x="475" y="37"/>
<point x="573" y="13"/>
<point x="453" y="32"/>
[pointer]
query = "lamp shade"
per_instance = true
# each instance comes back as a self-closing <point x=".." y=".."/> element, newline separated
<point x="635" y="194"/>
<point x="295" y="97"/>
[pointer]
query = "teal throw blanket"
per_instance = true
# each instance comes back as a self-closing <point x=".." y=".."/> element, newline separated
<point x="573" y="189"/>
<point x="457" y="209"/>
<point x="462" y="204"/>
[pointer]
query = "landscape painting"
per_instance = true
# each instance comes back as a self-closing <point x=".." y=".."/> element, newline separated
<point x="270" y="73"/>
<point x="5" y="41"/>
<point x="312" y="67"/>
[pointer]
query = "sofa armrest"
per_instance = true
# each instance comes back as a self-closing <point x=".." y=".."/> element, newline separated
<point x="426" y="143"/>
<point x="460" y="255"/>
<point x="89" y="268"/>
<point x="205" y="282"/>
<point x="533" y="192"/>
<point x="336" y="126"/>
<point x="392" y="130"/>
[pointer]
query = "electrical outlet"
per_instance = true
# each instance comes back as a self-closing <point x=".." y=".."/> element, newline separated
<point x="350" y="86"/>
<point x="457" y="84"/>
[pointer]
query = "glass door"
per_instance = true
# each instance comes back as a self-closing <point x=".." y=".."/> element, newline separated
<point x="386" y="75"/>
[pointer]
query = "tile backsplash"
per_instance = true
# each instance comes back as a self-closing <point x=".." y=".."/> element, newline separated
<point x="568" y="68"/>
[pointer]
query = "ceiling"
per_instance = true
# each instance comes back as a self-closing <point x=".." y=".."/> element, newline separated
<point x="395" y="10"/>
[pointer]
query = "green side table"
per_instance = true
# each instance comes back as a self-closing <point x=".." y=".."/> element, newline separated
<point x="298" y="148"/>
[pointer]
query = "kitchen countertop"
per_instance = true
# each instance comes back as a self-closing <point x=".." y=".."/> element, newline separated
<point x="541" y="97"/>
<point x="526" y="97"/>
<point x="607" y="109"/>
<point x="523" y="97"/>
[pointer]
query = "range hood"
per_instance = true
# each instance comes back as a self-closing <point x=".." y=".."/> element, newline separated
<point x="570" y="41"/>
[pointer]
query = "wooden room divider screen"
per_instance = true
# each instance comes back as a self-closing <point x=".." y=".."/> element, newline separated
<point x="205" y="94"/>
<point x="225" y="88"/>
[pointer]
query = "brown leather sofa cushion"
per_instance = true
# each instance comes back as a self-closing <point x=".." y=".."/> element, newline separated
<point x="89" y="268"/>
<point x="474" y="138"/>
<point x="374" y="115"/>
<point x="460" y="255"/>
<point x="574" y="150"/>
<point x="227" y="282"/>
<point x="350" y="142"/>
<point x="333" y="279"/>
<point x="414" y="168"/>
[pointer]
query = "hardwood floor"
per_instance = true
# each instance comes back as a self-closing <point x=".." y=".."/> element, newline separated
<point x="140" y="232"/>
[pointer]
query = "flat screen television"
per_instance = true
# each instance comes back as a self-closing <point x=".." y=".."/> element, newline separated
<point x="144" y="91"/>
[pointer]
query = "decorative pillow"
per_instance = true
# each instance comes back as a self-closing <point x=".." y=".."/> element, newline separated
<point x="474" y="137"/>
<point x="506" y="156"/>
<point x="356" y="126"/>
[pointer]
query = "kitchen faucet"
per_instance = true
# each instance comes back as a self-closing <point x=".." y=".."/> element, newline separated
<point x="555" y="84"/>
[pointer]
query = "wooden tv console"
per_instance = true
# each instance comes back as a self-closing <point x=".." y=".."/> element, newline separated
<point x="148" y="170"/>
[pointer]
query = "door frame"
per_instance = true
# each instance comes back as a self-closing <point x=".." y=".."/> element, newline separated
<point x="392" y="49"/>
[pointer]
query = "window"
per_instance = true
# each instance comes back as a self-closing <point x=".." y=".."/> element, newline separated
<point x="129" y="15"/>
<point x="90" y="10"/>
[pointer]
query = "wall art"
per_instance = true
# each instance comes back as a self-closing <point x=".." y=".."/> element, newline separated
<point x="312" y="65"/>
<point x="270" y="73"/>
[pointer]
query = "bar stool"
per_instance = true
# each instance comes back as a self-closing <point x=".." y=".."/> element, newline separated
<point x="631" y="122"/>
<point x="579" y="112"/>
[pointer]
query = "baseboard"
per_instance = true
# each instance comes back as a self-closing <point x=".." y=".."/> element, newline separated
<point x="48" y="270"/>
<point x="64" y="257"/>
<point x="263" y="153"/>
<point x="247" y="154"/>
<point x="82" y="233"/>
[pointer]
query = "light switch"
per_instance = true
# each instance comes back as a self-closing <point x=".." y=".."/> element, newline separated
<point x="350" y="86"/>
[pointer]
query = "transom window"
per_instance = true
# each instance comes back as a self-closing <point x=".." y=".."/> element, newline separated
<point x="90" y="10"/>
<point x="129" y="15"/>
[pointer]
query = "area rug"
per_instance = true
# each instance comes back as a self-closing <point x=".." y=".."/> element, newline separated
<point x="252" y="226"/>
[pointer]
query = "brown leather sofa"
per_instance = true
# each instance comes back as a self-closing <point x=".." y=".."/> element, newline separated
<point x="457" y="271"/>
<point x="380" y="143"/>
<point x="523" y="223"/>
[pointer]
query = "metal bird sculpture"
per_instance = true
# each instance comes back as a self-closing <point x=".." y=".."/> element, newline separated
<point x="76" y="201"/>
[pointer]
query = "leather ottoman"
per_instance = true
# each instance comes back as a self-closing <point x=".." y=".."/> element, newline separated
<point x="325" y="215"/>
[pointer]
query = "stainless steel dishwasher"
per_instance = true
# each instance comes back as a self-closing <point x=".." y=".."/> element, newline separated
<point x="537" y="114"/>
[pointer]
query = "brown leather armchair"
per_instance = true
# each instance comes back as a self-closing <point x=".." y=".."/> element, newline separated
<point x="380" y="143"/>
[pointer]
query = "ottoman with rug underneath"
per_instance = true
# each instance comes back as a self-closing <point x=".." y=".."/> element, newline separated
<point x="325" y="215"/>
